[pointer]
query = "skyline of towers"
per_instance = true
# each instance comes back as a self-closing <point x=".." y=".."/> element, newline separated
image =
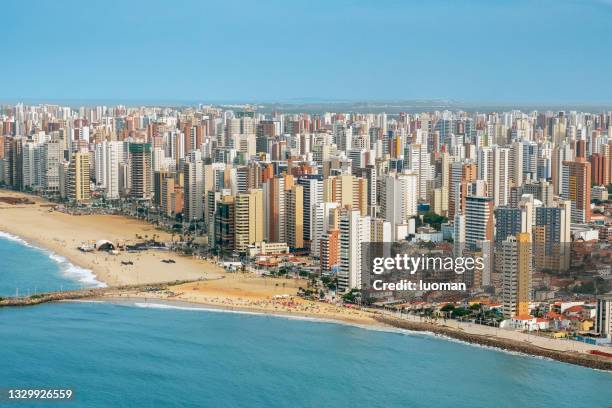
<point x="244" y="177"/>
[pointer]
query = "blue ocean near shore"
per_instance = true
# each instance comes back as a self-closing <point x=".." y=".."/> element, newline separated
<point x="123" y="355"/>
<point x="26" y="269"/>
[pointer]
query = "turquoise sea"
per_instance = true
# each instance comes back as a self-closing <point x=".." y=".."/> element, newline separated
<point x="158" y="355"/>
<point x="26" y="269"/>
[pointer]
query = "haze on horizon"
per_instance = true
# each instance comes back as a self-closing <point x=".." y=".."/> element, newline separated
<point x="544" y="52"/>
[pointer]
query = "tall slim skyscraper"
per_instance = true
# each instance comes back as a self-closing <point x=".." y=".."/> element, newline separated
<point x="140" y="171"/>
<point x="354" y="231"/>
<point x="193" y="172"/>
<point x="399" y="199"/>
<point x="108" y="156"/>
<point x="78" y="186"/>
<point x="248" y="223"/>
<point x="577" y="188"/>
<point x="313" y="195"/>
<point x="516" y="271"/>
<point x="294" y="202"/>
<point x="478" y="221"/>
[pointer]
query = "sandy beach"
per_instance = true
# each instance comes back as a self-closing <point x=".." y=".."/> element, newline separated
<point x="64" y="233"/>
<point x="247" y="292"/>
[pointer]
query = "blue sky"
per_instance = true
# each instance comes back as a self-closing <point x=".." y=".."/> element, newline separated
<point x="528" y="51"/>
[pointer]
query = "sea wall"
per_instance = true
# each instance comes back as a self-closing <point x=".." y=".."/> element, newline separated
<point x="583" y="359"/>
<point x="85" y="293"/>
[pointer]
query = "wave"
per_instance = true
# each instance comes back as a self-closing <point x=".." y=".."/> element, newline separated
<point x="203" y="308"/>
<point x="76" y="273"/>
<point x="15" y="238"/>
<point x="67" y="269"/>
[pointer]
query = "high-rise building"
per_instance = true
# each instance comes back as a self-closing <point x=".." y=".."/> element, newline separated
<point x="399" y="194"/>
<point x="51" y="158"/>
<point x="248" y="222"/>
<point x="294" y="202"/>
<point x="478" y="221"/>
<point x="324" y="219"/>
<point x="603" y="313"/>
<point x="459" y="173"/>
<point x="561" y="153"/>
<point x="140" y="171"/>
<point x="158" y="182"/>
<point x="78" y="183"/>
<point x="108" y="156"/>
<point x="516" y="272"/>
<point x="420" y="164"/>
<point x="225" y="224"/>
<point x="166" y="195"/>
<point x="494" y="169"/>
<point x="599" y="169"/>
<point x="576" y="187"/>
<point x="507" y="222"/>
<point x="354" y="231"/>
<point x="330" y="251"/>
<point x="552" y="237"/>
<point x="313" y="195"/>
<point x="275" y="217"/>
<point x="193" y="208"/>
<point x="347" y="190"/>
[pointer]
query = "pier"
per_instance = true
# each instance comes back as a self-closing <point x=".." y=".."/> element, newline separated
<point x="89" y="293"/>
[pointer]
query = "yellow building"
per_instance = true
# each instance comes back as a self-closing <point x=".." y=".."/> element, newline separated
<point x="78" y="186"/>
<point x="295" y="216"/>
<point x="166" y="192"/>
<point x="249" y="218"/>
<point x="524" y="274"/>
<point x="514" y="256"/>
<point x="347" y="190"/>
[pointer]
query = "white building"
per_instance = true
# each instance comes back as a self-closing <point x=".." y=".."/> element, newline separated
<point x="603" y="320"/>
<point x="399" y="198"/>
<point x="108" y="156"/>
<point x="354" y="231"/>
<point x="193" y="172"/>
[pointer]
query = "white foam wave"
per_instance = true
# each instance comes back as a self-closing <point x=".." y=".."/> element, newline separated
<point x="15" y="238"/>
<point x="76" y="273"/>
<point x="73" y="272"/>
<point x="256" y="313"/>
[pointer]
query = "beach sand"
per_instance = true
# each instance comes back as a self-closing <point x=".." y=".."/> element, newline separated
<point x="64" y="233"/>
<point x="245" y="291"/>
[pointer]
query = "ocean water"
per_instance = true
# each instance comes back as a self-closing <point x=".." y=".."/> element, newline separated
<point x="122" y="355"/>
<point x="26" y="269"/>
<point x="161" y="355"/>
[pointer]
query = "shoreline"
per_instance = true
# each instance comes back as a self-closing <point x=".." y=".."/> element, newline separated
<point x="177" y="304"/>
<point x="61" y="234"/>
<point x="212" y="287"/>
<point x="380" y="323"/>
<point x="528" y="349"/>
<point x="67" y="268"/>
<point x="145" y="296"/>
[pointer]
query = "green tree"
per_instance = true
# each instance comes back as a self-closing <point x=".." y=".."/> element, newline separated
<point x="449" y="307"/>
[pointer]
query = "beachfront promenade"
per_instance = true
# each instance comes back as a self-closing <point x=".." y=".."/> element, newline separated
<point x="512" y="340"/>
